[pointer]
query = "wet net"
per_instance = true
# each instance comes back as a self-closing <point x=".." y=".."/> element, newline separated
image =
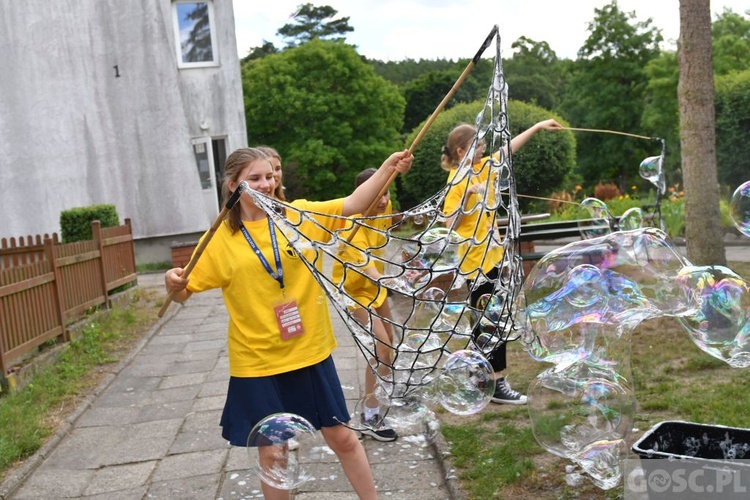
<point x="428" y="263"/>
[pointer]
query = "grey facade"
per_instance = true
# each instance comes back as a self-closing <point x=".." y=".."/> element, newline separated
<point x="97" y="106"/>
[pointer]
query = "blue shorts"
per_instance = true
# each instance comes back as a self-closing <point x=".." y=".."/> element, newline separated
<point x="313" y="393"/>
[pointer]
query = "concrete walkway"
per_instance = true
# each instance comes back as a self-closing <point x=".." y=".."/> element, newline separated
<point x="151" y="431"/>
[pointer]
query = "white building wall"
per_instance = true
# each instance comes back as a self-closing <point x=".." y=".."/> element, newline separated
<point x="73" y="134"/>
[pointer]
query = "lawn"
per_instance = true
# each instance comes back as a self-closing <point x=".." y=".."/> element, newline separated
<point x="496" y="456"/>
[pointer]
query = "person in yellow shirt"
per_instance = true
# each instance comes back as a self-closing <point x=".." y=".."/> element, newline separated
<point x="280" y="336"/>
<point x="362" y="286"/>
<point x="462" y="207"/>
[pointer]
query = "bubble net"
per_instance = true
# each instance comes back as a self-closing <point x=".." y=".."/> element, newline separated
<point x="425" y="273"/>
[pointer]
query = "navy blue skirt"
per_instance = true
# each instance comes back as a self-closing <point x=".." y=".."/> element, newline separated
<point x="313" y="393"/>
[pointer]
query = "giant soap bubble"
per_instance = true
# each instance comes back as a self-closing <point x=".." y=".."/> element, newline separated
<point x="739" y="208"/>
<point x="631" y="219"/>
<point x="465" y="384"/>
<point x="721" y="326"/>
<point x="288" y="445"/>
<point x="576" y="310"/>
<point x="594" y="219"/>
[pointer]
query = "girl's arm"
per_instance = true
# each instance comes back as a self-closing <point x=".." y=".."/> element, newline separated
<point x="518" y="141"/>
<point x="359" y="201"/>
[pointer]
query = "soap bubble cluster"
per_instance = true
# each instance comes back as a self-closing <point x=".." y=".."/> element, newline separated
<point x="576" y="311"/>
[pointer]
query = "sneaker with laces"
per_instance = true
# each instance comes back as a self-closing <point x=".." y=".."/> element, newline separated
<point x="504" y="394"/>
<point x="376" y="429"/>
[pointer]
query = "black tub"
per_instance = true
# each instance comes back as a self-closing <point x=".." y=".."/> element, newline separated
<point x="703" y="461"/>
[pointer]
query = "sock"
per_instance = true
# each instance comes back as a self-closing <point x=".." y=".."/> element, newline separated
<point x="371" y="412"/>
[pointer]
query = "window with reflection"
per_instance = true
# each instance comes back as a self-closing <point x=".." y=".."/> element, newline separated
<point x="194" y="34"/>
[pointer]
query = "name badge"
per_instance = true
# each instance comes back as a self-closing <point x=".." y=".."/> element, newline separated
<point x="289" y="320"/>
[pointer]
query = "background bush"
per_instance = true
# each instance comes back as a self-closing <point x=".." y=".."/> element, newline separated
<point x="75" y="224"/>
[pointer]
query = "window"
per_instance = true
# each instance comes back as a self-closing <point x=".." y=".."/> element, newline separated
<point x="194" y="34"/>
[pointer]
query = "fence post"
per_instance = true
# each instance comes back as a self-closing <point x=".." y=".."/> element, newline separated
<point x="128" y="223"/>
<point x="51" y="253"/>
<point x="96" y="230"/>
<point x="3" y="368"/>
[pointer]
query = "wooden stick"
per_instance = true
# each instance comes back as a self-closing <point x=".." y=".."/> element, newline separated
<point x="428" y="123"/>
<point x="204" y="242"/>
<point x="608" y="132"/>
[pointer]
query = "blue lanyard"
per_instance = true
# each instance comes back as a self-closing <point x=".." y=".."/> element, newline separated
<point x="279" y="275"/>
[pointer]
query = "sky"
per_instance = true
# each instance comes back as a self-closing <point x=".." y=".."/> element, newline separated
<point x="393" y="30"/>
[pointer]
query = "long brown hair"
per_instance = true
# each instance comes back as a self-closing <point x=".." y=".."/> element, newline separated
<point x="235" y="164"/>
<point x="460" y="137"/>
<point x="278" y="193"/>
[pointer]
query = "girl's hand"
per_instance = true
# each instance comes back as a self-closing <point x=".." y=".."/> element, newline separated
<point x="400" y="161"/>
<point x="174" y="281"/>
<point x="549" y="125"/>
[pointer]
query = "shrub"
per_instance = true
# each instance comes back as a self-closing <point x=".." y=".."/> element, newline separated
<point x="607" y="191"/>
<point x="75" y="223"/>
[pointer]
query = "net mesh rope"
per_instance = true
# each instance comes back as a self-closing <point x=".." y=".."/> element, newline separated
<point x="425" y="270"/>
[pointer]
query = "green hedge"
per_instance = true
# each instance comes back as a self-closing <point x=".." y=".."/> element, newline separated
<point x="75" y="223"/>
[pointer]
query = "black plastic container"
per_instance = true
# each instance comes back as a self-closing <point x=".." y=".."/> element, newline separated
<point x="703" y="461"/>
<point x="680" y="440"/>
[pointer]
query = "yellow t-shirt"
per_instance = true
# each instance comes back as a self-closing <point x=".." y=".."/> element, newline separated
<point x="365" y="241"/>
<point x="483" y="251"/>
<point x="251" y="294"/>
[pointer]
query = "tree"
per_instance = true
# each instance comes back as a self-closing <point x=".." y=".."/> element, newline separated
<point x="606" y="91"/>
<point x="731" y="42"/>
<point x="732" y="97"/>
<point x="312" y="22"/>
<point x="731" y="35"/>
<point x="326" y="111"/>
<point x="695" y="93"/>
<point x="540" y="166"/>
<point x="254" y="53"/>
<point x="424" y="93"/>
<point x="534" y="73"/>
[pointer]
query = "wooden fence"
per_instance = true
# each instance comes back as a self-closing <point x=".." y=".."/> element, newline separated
<point x="46" y="285"/>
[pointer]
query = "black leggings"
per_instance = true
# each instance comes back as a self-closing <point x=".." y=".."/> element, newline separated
<point x="497" y="357"/>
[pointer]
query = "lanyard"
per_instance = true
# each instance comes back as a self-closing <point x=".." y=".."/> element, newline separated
<point x="279" y="275"/>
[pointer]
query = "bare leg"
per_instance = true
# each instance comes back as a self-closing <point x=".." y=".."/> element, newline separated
<point x="382" y="351"/>
<point x="268" y="457"/>
<point x="351" y="453"/>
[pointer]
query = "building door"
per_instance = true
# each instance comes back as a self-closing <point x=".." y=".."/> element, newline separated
<point x="220" y="159"/>
<point x="204" y="159"/>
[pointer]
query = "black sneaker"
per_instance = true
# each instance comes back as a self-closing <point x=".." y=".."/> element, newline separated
<point x="376" y="429"/>
<point x="504" y="394"/>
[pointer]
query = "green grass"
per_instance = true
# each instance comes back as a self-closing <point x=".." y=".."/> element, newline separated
<point x="491" y="455"/>
<point x="29" y="415"/>
<point x="151" y="267"/>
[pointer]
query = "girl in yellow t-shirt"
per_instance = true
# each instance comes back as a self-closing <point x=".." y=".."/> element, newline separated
<point x="462" y="207"/>
<point x="280" y="335"/>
